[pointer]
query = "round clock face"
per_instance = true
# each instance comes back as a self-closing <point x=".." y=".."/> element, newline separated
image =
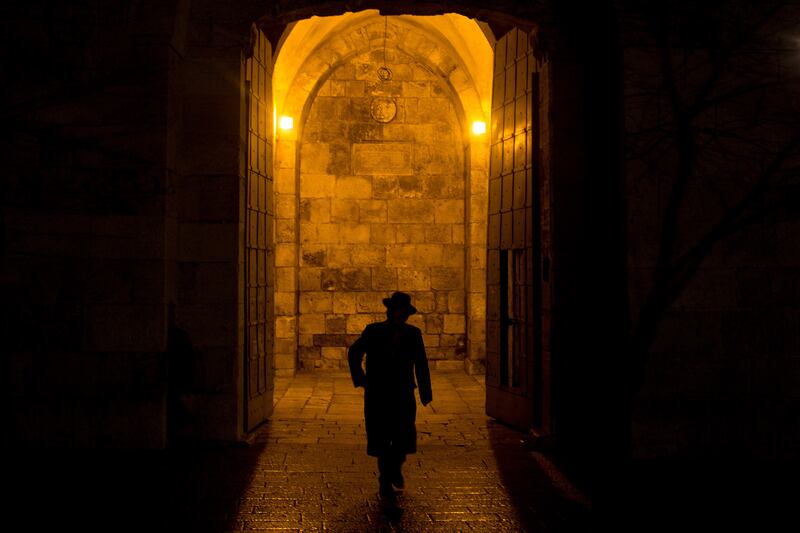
<point x="383" y="109"/>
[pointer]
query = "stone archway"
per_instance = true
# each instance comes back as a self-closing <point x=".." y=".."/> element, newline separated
<point x="314" y="251"/>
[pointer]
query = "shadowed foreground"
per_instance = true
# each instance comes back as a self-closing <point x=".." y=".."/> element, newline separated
<point x="307" y="470"/>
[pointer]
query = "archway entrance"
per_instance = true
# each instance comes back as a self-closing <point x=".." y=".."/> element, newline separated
<point x="383" y="180"/>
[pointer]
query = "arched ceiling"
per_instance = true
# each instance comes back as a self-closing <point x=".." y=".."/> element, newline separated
<point x="469" y="41"/>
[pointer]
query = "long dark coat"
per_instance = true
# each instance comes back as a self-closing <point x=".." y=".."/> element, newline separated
<point x="395" y="353"/>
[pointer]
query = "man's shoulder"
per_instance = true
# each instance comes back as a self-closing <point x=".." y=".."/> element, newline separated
<point x="414" y="330"/>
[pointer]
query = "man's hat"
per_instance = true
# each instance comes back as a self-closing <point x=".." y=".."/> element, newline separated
<point x="400" y="299"/>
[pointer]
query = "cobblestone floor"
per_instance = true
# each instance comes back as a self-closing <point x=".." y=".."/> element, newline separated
<point x="307" y="470"/>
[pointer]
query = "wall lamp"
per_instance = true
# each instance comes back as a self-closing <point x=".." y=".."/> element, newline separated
<point x="286" y="123"/>
<point x="478" y="127"/>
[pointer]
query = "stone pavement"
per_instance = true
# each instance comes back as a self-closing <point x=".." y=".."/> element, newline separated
<point x="307" y="470"/>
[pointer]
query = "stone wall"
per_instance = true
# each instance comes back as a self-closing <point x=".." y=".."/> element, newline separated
<point x="381" y="208"/>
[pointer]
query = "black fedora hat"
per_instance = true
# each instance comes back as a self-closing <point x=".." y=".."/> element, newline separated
<point x="400" y="299"/>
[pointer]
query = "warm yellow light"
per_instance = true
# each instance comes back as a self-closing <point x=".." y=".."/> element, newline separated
<point x="286" y="123"/>
<point x="478" y="127"/>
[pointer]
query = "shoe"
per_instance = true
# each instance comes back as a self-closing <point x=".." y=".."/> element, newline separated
<point x="386" y="491"/>
<point x="398" y="481"/>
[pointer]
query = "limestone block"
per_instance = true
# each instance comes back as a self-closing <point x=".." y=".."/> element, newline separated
<point x="285" y="181"/>
<point x="285" y="326"/>
<point x="434" y="323"/>
<point x="384" y="279"/>
<point x="355" y="279"/>
<point x="474" y="367"/>
<point x="340" y="256"/>
<point x="357" y="323"/>
<point x="412" y="279"/>
<point x="344" y="303"/>
<point x="441" y="301"/>
<point x="309" y="353"/>
<point x="336" y="339"/>
<point x="305" y="340"/>
<point x="382" y="234"/>
<point x="411" y="210"/>
<point x="313" y="323"/>
<point x="285" y="254"/>
<point x="477" y="329"/>
<point x="315" y="210"/>
<point x="355" y="88"/>
<point x="416" y="89"/>
<point x="315" y="159"/>
<point x="336" y="324"/>
<point x="436" y="109"/>
<point x="438" y="233"/>
<point x="317" y="185"/>
<point x="477" y="304"/>
<point x="285" y="154"/>
<point x="285" y="206"/>
<point x="435" y="353"/>
<point x="477" y="257"/>
<point x="448" y="341"/>
<point x="313" y="255"/>
<point x="477" y="277"/>
<point x="454" y="323"/>
<point x="285" y="361"/>
<point x="478" y="208"/>
<point x="328" y="233"/>
<point x="455" y="302"/>
<point x="477" y="351"/>
<point x="425" y="301"/>
<point x="444" y="365"/>
<point x="354" y="234"/>
<point x="311" y="232"/>
<point x="316" y="302"/>
<point x="344" y="210"/>
<point x="458" y="233"/>
<point x="370" y="302"/>
<point x="410" y="233"/>
<point x="372" y="211"/>
<point x="339" y="158"/>
<point x="428" y="255"/>
<point x="384" y="186"/>
<point x="449" y="211"/>
<point x="477" y="234"/>
<point x="447" y="278"/>
<point x="353" y="187"/>
<point x="415" y="320"/>
<point x="400" y="255"/>
<point x="285" y="303"/>
<point x="287" y="345"/>
<point x="310" y="279"/>
<point x="368" y="255"/>
<point x="410" y="186"/>
<point x="334" y="352"/>
<point x="430" y="341"/>
<point x="330" y="279"/>
<point x="285" y="230"/>
<point x="453" y="257"/>
<point x="338" y="87"/>
<point x="439" y="186"/>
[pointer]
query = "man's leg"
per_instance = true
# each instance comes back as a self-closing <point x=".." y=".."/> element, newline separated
<point x="397" y="459"/>
<point x="385" y="475"/>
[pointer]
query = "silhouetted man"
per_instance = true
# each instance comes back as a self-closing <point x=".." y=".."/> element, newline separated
<point x="395" y="352"/>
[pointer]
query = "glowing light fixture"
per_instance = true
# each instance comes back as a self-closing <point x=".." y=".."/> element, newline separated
<point x="286" y="123"/>
<point x="478" y="127"/>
